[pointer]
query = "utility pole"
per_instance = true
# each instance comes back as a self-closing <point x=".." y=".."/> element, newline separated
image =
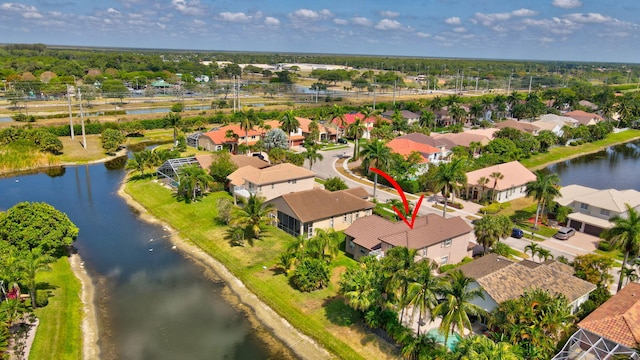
<point x="70" y="115"/>
<point x="84" y="138"/>
<point x="394" y="92"/>
<point x="374" y="96"/>
<point x="509" y="86"/>
<point x="530" y="80"/>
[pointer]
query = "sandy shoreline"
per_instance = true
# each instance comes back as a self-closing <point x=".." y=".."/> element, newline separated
<point x="300" y="344"/>
<point x="90" y="348"/>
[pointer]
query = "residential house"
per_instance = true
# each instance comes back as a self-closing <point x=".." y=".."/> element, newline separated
<point x="554" y="127"/>
<point x="303" y="212"/>
<point x="325" y="133"/>
<point x="559" y="120"/>
<point x="405" y="147"/>
<point x="592" y="208"/>
<point x="523" y="126"/>
<point x="218" y="139"/>
<point x="343" y="125"/>
<point x="512" y="185"/>
<point x="407" y="115"/>
<point x="502" y="279"/>
<point x="465" y="138"/>
<point x="270" y="182"/>
<point x="442" y="144"/>
<point x="583" y="117"/>
<point x="296" y="137"/>
<point x="612" y="331"/>
<point x="445" y="241"/>
<point x="588" y="104"/>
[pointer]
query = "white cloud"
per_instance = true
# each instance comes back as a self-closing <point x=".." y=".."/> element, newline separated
<point x="362" y="21"/>
<point x="524" y="12"/>
<point x="567" y="4"/>
<point x="271" y="21"/>
<point x="198" y="22"/>
<point x="389" y="14"/>
<point x="423" y="35"/>
<point x="592" y="18"/>
<point x="453" y="21"/>
<point x="238" y="17"/>
<point x="306" y="14"/>
<point x="185" y="7"/>
<point x="113" y="11"/>
<point x="387" y="24"/>
<point x="459" y="29"/>
<point x="340" y="21"/>
<point x="26" y="11"/>
<point x="546" y="40"/>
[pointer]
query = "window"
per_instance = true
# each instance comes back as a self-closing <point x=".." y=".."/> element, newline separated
<point x="259" y="188"/>
<point x="447" y="243"/>
<point x="584" y="206"/>
<point x="292" y="181"/>
<point x="344" y="218"/>
<point x="605" y="212"/>
<point x="351" y="244"/>
<point x="444" y="260"/>
<point x="357" y="215"/>
<point x="273" y="186"/>
<point x="362" y="251"/>
<point x="331" y="223"/>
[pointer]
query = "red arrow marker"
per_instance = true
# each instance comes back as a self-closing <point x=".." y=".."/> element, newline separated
<point x="404" y="199"/>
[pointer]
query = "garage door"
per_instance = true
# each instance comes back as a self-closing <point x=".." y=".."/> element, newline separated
<point x="575" y="224"/>
<point x="592" y="230"/>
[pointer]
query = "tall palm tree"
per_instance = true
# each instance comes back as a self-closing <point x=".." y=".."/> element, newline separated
<point x="312" y="155"/>
<point x="477" y="111"/>
<point x="543" y="189"/>
<point x="457" y="113"/>
<point x="624" y="235"/>
<point x="338" y="117"/>
<point x="496" y="175"/>
<point x="399" y="263"/>
<point x="456" y="306"/>
<point x="449" y="177"/>
<point x="435" y="105"/>
<point x="427" y="120"/>
<point x="376" y="154"/>
<point x="483" y="181"/>
<point x="247" y="123"/>
<point x="173" y="120"/>
<point x="30" y="263"/>
<point x="483" y="348"/>
<point x="140" y="161"/>
<point x="356" y="130"/>
<point x="193" y="180"/>
<point x="289" y="124"/>
<point x="422" y="291"/>
<point x="253" y="215"/>
<point x="490" y="229"/>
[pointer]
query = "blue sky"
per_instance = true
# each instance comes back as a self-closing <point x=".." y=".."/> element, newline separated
<point x="585" y="30"/>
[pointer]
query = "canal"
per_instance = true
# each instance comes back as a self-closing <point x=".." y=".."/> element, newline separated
<point x="153" y="303"/>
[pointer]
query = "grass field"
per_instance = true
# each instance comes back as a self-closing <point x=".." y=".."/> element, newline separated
<point x="59" y="334"/>
<point x="319" y="314"/>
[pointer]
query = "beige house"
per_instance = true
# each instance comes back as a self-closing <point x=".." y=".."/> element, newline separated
<point x="303" y="212"/>
<point x="270" y="182"/>
<point x="513" y="184"/>
<point x="583" y="117"/>
<point x="592" y="208"/>
<point x="445" y="241"/>
<point x="502" y="279"/>
<point x="523" y="126"/>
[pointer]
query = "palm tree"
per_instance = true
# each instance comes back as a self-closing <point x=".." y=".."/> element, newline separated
<point x="496" y="175"/>
<point x="253" y="215"/>
<point x="338" y="116"/>
<point x="423" y="289"/>
<point x="325" y="245"/>
<point x="427" y="120"/>
<point x="173" y="120"/>
<point x="476" y="110"/>
<point x="629" y="273"/>
<point x="247" y="123"/>
<point x="289" y="124"/>
<point x="533" y="248"/>
<point x="314" y="131"/>
<point x="436" y="106"/>
<point x="399" y="264"/>
<point x="483" y="348"/>
<point x="483" y="181"/>
<point x="30" y="263"/>
<point x="544" y="254"/>
<point x="456" y="306"/>
<point x="457" y="113"/>
<point x="376" y="154"/>
<point x="192" y="180"/>
<point x="624" y="235"/>
<point x="312" y="155"/>
<point x="449" y="177"/>
<point x="361" y="286"/>
<point x="140" y="161"/>
<point x="490" y="229"/>
<point x="543" y="189"/>
<point x="356" y="130"/>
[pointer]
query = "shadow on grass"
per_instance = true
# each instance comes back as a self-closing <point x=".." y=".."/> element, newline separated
<point x="339" y="313"/>
<point x="46" y="286"/>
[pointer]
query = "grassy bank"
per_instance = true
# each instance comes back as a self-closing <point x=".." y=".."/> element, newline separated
<point x="318" y="314"/>
<point x="567" y="152"/>
<point x="59" y="334"/>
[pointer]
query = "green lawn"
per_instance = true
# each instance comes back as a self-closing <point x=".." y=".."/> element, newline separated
<point x="309" y="312"/>
<point x="59" y="334"/>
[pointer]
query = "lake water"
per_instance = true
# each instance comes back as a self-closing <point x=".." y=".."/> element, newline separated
<point x="152" y="302"/>
<point x="616" y="167"/>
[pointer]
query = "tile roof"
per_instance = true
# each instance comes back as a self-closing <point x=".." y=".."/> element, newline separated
<point x="464" y="138"/>
<point x="560" y="120"/>
<point x="618" y="319"/>
<point x="519" y="125"/>
<point x="484" y="265"/>
<point x="240" y="161"/>
<point x="359" y="192"/>
<point x="218" y="135"/>
<point x="318" y="204"/>
<point x="351" y="118"/>
<point x="583" y="117"/>
<point x="405" y="147"/>
<point x="515" y="174"/>
<point x="427" y="230"/>
<point x="609" y="199"/>
<point x="425" y="139"/>
<point x="279" y="173"/>
<point x="406" y="114"/>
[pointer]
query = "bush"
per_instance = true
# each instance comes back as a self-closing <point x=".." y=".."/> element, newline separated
<point x="410" y="186"/>
<point x="334" y="184"/>
<point x="42" y="298"/>
<point x="311" y="274"/>
<point x="444" y="268"/>
<point x="177" y="107"/>
<point x="491" y="208"/>
<point x="604" y="246"/>
<point x="24" y="118"/>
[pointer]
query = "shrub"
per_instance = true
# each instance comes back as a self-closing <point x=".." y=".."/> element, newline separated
<point x="445" y="268"/>
<point x="604" y="246"/>
<point x="410" y="186"/>
<point x="42" y="298"/>
<point x="311" y="274"/>
<point x="491" y="208"/>
<point x="177" y="107"/>
<point x="334" y="184"/>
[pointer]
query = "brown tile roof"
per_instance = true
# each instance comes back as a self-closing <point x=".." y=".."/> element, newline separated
<point x="218" y="136"/>
<point x="519" y="125"/>
<point x="583" y="117"/>
<point x="276" y="174"/>
<point x="237" y="177"/>
<point x="427" y="230"/>
<point x="464" y="138"/>
<point x="318" y="204"/>
<point x="512" y="281"/>
<point x="240" y="161"/>
<point x="515" y="174"/>
<point x="618" y="319"/>
<point x="358" y="191"/>
<point x="425" y="139"/>
<point x="484" y="265"/>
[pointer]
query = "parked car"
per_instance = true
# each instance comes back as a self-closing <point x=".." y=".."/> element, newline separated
<point x="342" y="141"/>
<point x="517" y="233"/>
<point x="565" y="233"/>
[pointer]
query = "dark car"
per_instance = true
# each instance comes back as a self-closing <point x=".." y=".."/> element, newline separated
<point x="517" y="233"/>
<point x="342" y="141"/>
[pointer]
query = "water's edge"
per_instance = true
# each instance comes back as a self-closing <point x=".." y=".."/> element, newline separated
<point x="90" y="330"/>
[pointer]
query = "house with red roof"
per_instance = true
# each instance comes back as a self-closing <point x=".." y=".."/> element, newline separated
<point x="218" y="138"/>
<point x="343" y="124"/>
<point x="405" y="147"/>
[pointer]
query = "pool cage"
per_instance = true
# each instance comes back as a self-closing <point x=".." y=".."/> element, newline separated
<point x="586" y="345"/>
<point x="192" y="140"/>
<point x="169" y="171"/>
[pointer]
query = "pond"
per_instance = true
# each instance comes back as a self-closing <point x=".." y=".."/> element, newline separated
<point x="153" y="303"/>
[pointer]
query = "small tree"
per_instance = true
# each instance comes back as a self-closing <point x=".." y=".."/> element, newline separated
<point x="225" y="207"/>
<point x="334" y="184"/>
<point x="111" y="140"/>
<point x="222" y="166"/>
<point x="311" y="274"/>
